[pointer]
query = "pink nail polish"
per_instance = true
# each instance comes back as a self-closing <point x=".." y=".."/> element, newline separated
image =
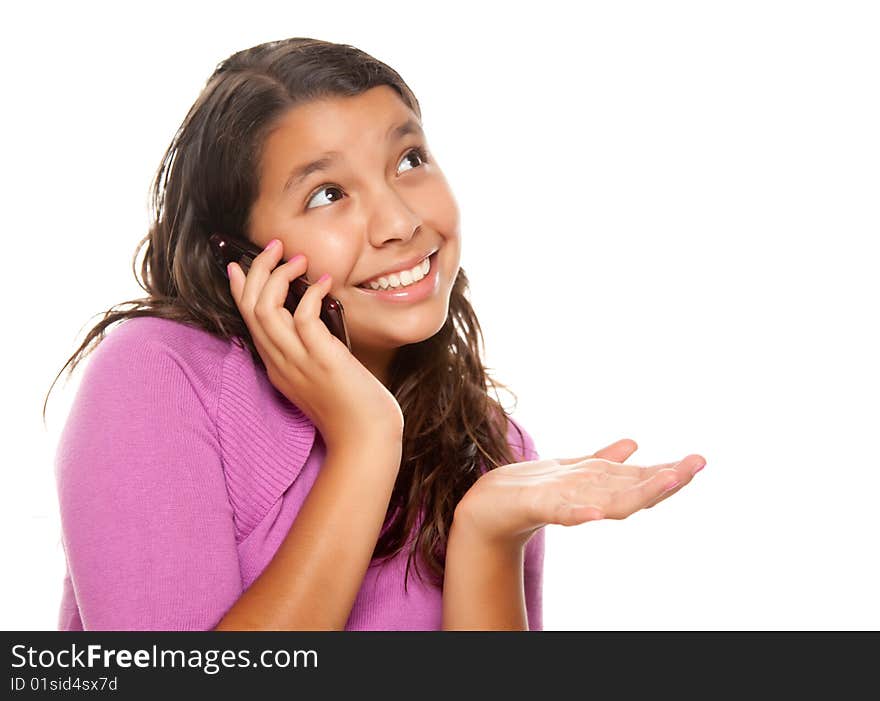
<point x="698" y="469"/>
<point x="672" y="486"/>
<point x="270" y="244"/>
<point x="323" y="277"/>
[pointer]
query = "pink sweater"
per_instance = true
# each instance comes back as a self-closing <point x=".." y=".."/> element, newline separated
<point x="180" y="471"/>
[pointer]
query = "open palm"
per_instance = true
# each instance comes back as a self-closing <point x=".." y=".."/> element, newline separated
<point x="511" y="502"/>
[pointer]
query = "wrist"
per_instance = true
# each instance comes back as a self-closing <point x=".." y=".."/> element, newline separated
<point x="465" y="532"/>
<point x="483" y="586"/>
<point x="371" y="445"/>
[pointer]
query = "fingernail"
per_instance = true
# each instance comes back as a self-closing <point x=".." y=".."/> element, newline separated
<point x="270" y="244"/>
<point x="229" y="269"/>
<point x="698" y="469"/>
<point x="295" y="258"/>
<point x="323" y="277"/>
<point x="672" y="486"/>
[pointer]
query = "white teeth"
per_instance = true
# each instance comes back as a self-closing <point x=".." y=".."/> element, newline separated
<point x="402" y="279"/>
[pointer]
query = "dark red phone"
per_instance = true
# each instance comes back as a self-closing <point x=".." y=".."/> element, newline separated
<point x="228" y="250"/>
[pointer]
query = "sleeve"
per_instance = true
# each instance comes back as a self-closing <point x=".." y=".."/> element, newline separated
<point x="533" y="572"/>
<point x="146" y="522"/>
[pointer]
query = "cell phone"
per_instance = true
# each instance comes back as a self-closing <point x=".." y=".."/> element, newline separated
<point x="227" y="249"/>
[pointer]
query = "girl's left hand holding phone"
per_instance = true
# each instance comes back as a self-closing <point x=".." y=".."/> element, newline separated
<point x="505" y="506"/>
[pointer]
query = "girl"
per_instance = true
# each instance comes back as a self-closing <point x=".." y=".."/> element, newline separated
<point x="229" y="465"/>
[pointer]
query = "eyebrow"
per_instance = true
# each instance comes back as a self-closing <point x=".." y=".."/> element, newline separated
<point x="301" y="172"/>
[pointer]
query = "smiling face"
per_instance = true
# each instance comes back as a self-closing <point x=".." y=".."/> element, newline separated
<point x="378" y="205"/>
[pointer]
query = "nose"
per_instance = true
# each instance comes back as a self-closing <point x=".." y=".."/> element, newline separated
<point x="392" y="218"/>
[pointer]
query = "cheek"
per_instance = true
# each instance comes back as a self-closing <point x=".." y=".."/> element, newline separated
<point x="336" y="255"/>
<point x="440" y="209"/>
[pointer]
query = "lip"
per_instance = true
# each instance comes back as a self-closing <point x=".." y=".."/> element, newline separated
<point x="407" y="264"/>
<point x="416" y="292"/>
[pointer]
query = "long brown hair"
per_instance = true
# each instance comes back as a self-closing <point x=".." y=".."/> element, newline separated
<point x="208" y="181"/>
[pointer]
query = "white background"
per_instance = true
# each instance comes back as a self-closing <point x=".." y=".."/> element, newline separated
<point x="669" y="217"/>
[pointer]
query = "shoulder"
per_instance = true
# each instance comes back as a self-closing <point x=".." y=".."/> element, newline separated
<point x="182" y="358"/>
<point x="139" y="340"/>
<point x="156" y="362"/>
<point x="521" y="441"/>
<point x="142" y="355"/>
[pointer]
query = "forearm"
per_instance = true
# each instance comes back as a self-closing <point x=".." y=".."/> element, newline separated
<point x="483" y="584"/>
<point x="314" y="577"/>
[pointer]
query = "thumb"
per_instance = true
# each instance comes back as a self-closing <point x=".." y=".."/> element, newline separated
<point x="618" y="451"/>
<point x="234" y="273"/>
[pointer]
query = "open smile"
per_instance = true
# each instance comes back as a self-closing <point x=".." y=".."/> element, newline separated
<point x="412" y="292"/>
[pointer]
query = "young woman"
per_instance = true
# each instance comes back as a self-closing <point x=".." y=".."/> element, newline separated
<point x="229" y="465"/>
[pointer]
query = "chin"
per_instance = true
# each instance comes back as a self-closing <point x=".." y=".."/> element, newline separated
<point x="415" y="335"/>
<point x="404" y="332"/>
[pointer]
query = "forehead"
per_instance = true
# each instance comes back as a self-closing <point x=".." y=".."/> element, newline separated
<point x="336" y="123"/>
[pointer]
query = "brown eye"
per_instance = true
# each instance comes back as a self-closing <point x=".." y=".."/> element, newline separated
<point x="325" y="188"/>
<point x="418" y="154"/>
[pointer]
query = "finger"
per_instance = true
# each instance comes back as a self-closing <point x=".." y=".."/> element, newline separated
<point x="275" y="318"/>
<point x="636" y="472"/>
<point x="688" y="474"/>
<point x="642" y="472"/>
<point x="270" y="301"/>
<point x="626" y="502"/>
<point x="587" y="480"/>
<point x="684" y="468"/>
<point x="601" y="483"/>
<point x="665" y="495"/>
<point x="691" y="465"/>
<point x="237" y="280"/>
<point x="650" y="490"/>
<point x="307" y="318"/>
<point x="574" y="514"/>
<point x="616" y="452"/>
<point x="251" y="287"/>
<point x="257" y="275"/>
